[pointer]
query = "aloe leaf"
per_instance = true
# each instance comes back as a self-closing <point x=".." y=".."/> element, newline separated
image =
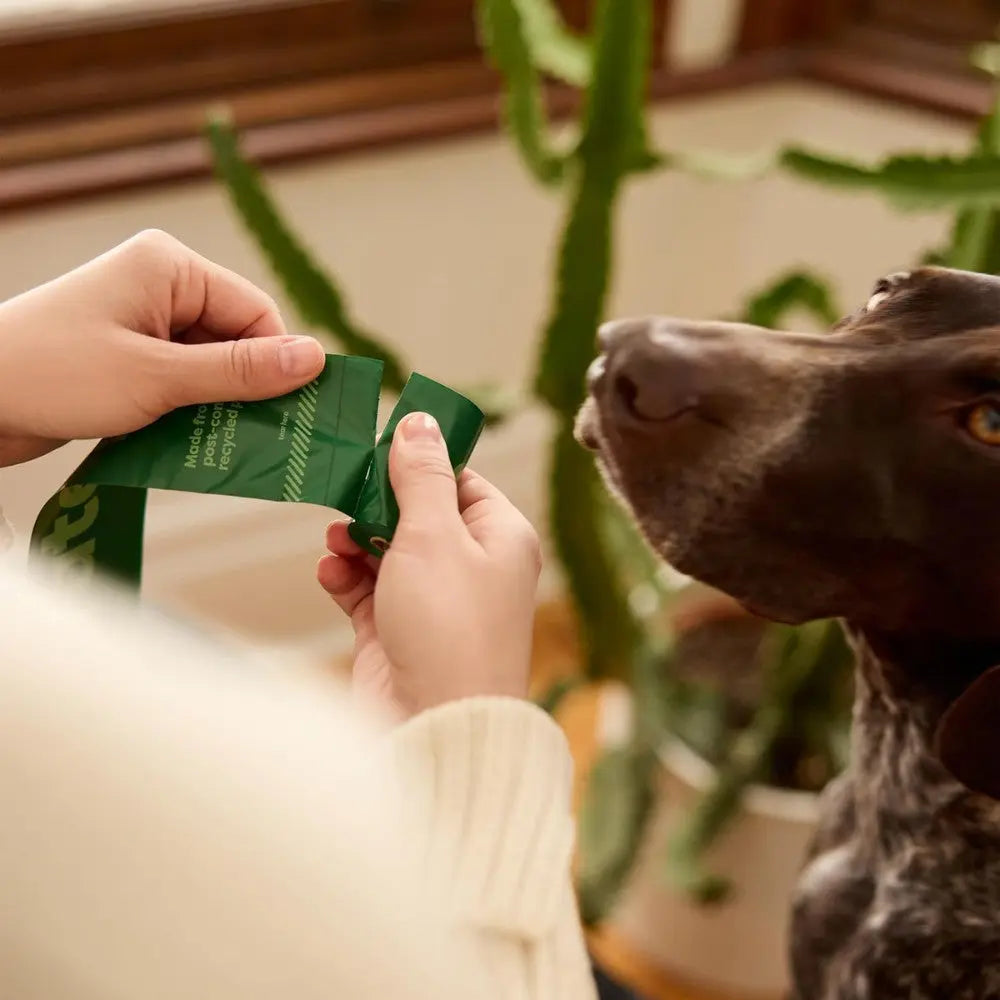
<point x="611" y="145"/>
<point x="803" y="660"/>
<point x="606" y="152"/>
<point x="685" y="870"/>
<point x="503" y="30"/>
<point x="644" y="158"/>
<point x="712" y="813"/>
<point x="575" y="507"/>
<point x="617" y="805"/>
<point x="714" y="166"/>
<point x="653" y="692"/>
<point x="582" y="282"/>
<point x="908" y="181"/>
<point x="554" y="48"/>
<point x="975" y="235"/>
<point x="795" y="290"/>
<point x="817" y="711"/>
<point x="971" y="235"/>
<point x="702" y="720"/>
<point x="986" y="57"/>
<point x="314" y="294"/>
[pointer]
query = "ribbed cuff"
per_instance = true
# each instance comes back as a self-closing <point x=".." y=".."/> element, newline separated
<point x="486" y="784"/>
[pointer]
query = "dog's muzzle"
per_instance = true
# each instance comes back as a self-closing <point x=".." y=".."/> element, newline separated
<point x="648" y="374"/>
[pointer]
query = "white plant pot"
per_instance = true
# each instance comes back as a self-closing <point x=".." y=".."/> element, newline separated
<point x="738" y="947"/>
<point x="702" y="33"/>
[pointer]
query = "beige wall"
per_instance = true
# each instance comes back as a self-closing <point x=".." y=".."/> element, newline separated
<point x="447" y="250"/>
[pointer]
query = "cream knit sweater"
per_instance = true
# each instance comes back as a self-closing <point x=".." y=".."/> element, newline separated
<point x="181" y="822"/>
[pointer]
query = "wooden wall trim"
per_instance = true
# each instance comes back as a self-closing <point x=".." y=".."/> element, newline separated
<point x="304" y="84"/>
<point x="770" y="24"/>
<point x="962" y="96"/>
<point x="210" y="55"/>
<point x="899" y="50"/>
<point x="57" y="179"/>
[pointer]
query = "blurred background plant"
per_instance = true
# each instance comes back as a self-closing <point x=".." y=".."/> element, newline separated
<point x="761" y="703"/>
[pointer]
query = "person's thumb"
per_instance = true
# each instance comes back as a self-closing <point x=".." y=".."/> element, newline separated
<point x="422" y="478"/>
<point x="254" y="368"/>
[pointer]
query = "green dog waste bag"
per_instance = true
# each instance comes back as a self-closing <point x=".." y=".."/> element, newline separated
<point x="316" y="445"/>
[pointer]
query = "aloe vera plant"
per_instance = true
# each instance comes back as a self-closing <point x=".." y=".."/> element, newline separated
<point x="610" y="144"/>
<point x="523" y="38"/>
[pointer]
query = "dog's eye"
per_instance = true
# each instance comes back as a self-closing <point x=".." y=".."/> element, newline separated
<point x="983" y="423"/>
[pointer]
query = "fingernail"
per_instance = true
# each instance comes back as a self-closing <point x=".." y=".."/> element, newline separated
<point x="299" y="356"/>
<point x="420" y="426"/>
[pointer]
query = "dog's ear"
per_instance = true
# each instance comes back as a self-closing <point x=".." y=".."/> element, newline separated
<point x="968" y="736"/>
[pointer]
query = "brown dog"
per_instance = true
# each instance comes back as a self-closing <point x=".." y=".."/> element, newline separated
<point x="856" y="475"/>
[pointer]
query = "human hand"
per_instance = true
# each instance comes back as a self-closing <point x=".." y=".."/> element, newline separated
<point x="141" y="330"/>
<point x="447" y="613"/>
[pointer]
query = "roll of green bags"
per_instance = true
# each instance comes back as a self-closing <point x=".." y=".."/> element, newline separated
<point x="317" y="445"/>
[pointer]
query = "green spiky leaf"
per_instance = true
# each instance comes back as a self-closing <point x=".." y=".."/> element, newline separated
<point x="582" y="281"/>
<point x="796" y="290"/>
<point x="803" y="660"/>
<point x="987" y="58"/>
<point x="969" y="249"/>
<point x="313" y="293"/>
<point x="909" y="181"/>
<point x="613" y="124"/>
<point x="819" y="701"/>
<point x="711" y="815"/>
<point x="652" y="691"/>
<point x="701" y="718"/>
<point x="714" y="166"/>
<point x="975" y="235"/>
<point x="554" y="48"/>
<point x="576" y="505"/>
<point x="616" y="808"/>
<point x="503" y="30"/>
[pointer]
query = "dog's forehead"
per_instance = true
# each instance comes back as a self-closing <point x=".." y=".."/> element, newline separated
<point x="929" y="301"/>
<point x="943" y="286"/>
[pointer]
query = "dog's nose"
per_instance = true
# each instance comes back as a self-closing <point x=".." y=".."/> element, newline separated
<point x="655" y="376"/>
<point x="610" y="333"/>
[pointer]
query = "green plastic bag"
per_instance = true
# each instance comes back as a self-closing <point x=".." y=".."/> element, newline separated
<point x="316" y="445"/>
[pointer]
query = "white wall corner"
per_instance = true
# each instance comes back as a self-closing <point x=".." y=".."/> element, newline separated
<point x="702" y="33"/>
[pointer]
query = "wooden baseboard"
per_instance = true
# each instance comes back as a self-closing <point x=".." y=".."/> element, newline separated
<point x="956" y="95"/>
<point x="633" y="970"/>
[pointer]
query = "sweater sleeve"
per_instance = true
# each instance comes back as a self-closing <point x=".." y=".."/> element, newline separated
<point x="485" y="784"/>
